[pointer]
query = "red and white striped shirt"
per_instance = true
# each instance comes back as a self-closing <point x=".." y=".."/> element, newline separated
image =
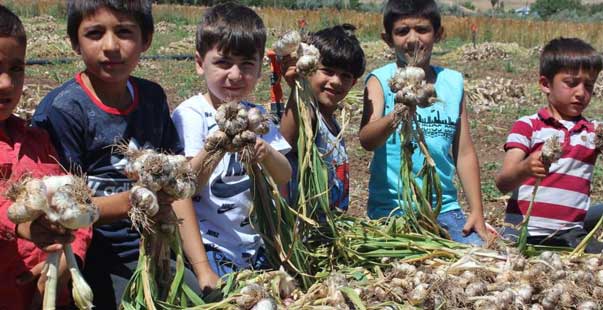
<point x="563" y="196"/>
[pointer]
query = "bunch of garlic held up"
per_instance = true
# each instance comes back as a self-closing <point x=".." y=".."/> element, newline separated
<point x="307" y="55"/>
<point x="411" y="91"/>
<point x="154" y="172"/>
<point x="238" y="127"/>
<point x="64" y="200"/>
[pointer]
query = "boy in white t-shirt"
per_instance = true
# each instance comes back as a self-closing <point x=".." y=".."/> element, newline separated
<point x="230" y="43"/>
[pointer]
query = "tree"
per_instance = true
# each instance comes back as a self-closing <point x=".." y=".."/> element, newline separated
<point x="494" y="3"/>
<point x="546" y="8"/>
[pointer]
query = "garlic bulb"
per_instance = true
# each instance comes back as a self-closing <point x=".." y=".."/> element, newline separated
<point x="287" y="43"/>
<point x="144" y="199"/>
<point x="411" y="89"/>
<point x="29" y="198"/>
<point x="551" y="150"/>
<point x="71" y="212"/>
<point x="309" y="58"/>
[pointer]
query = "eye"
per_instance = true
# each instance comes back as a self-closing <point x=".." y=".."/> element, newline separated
<point x="327" y="71"/>
<point x="402" y="31"/>
<point x="93" y="34"/>
<point x="17" y="68"/>
<point x="423" y="29"/>
<point x="123" y="32"/>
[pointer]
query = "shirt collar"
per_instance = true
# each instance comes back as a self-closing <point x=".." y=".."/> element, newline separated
<point x="579" y="124"/>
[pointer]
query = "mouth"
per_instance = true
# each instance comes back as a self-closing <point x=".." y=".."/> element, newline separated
<point x="111" y="63"/>
<point x="332" y="92"/>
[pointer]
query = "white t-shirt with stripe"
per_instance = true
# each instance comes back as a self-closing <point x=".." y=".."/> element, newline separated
<point x="563" y="196"/>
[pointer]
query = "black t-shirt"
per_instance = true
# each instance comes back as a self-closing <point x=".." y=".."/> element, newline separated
<point x="84" y="131"/>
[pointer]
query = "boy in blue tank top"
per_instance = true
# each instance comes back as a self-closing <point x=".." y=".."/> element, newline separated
<point x="411" y="25"/>
<point x="341" y="64"/>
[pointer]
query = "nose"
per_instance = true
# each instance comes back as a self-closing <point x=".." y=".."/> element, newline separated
<point x="110" y="42"/>
<point x="235" y="74"/>
<point x="6" y="82"/>
<point x="580" y="91"/>
<point x="336" y="80"/>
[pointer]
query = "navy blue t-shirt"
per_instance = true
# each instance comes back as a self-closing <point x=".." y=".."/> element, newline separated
<point x="84" y="131"/>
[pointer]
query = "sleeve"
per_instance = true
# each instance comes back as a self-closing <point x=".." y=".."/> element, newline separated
<point x="66" y="129"/>
<point x="171" y="140"/>
<point x="275" y="139"/>
<point x="520" y="135"/>
<point x="191" y="126"/>
<point x="7" y="228"/>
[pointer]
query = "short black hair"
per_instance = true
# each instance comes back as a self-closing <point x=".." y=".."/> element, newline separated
<point x="141" y="10"/>
<point x="11" y="26"/>
<point x="339" y="48"/>
<point x="232" y="28"/>
<point x="395" y="10"/>
<point x="568" y="54"/>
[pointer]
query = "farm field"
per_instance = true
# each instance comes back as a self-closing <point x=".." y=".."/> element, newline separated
<point x="500" y="85"/>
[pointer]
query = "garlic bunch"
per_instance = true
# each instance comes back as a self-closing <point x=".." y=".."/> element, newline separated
<point x="308" y="59"/>
<point x="410" y="88"/>
<point x="70" y="206"/>
<point x="551" y="150"/>
<point x="238" y="130"/>
<point x="287" y="44"/>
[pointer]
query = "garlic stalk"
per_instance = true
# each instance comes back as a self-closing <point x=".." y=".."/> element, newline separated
<point x="50" y="286"/>
<point x="82" y="293"/>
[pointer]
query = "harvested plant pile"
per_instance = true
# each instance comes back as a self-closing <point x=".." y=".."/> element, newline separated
<point x="378" y="50"/>
<point x="64" y="200"/>
<point x="490" y="51"/>
<point x="481" y="279"/>
<point x="184" y="46"/>
<point x="492" y="93"/>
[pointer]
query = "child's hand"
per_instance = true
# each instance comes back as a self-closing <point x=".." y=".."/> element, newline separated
<point x="288" y="67"/>
<point x="534" y="167"/>
<point x="44" y="234"/>
<point x="262" y="150"/>
<point x="476" y="223"/>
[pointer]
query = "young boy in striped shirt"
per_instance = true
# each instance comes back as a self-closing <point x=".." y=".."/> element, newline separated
<point x="568" y="70"/>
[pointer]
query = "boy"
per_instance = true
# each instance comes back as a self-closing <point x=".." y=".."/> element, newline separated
<point x="412" y="25"/>
<point x="230" y="43"/>
<point x="102" y="106"/>
<point x="24" y="151"/>
<point x="568" y="70"/>
<point x="341" y="64"/>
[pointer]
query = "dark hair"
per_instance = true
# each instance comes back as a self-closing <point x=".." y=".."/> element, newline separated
<point x="141" y="10"/>
<point x="11" y="26"/>
<point x="568" y="54"/>
<point x="232" y="28"/>
<point x="397" y="9"/>
<point x="339" y="48"/>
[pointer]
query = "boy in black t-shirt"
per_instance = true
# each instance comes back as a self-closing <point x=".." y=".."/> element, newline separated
<point x="104" y="105"/>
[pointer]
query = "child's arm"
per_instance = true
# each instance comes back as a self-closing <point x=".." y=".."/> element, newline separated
<point x="517" y="167"/>
<point x="113" y="207"/>
<point x="275" y="163"/>
<point x="289" y="126"/>
<point x="468" y="172"/>
<point x="193" y="245"/>
<point x="374" y="127"/>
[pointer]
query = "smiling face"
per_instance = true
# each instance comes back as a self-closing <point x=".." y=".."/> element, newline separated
<point x="413" y="39"/>
<point x="330" y="85"/>
<point x="12" y="75"/>
<point x="569" y="93"/>
<point x="110" y="44"/>
<point x="229" y="77"/>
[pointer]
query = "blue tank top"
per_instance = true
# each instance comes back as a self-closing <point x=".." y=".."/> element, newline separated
<point x="439" y="123"/>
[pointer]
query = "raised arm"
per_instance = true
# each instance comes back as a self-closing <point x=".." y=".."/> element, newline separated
<point x="374" y="127"/>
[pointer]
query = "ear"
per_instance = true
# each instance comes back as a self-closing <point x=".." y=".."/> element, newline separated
<point x="388" y="39"/>
<point x="439" y="35"/>
<point x="545" y="84"/>
<point x="147" y="43"/>
<point x="199" y="64"/>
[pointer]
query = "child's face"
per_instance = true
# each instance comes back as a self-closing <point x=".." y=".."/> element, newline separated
<point x="569" y="93"/>
<point x="413" y="40"/>
<point x="12" y="75"/>
<point x="330" y="85"/>
<point x="229" y="77"/>
<point x="110" y="44"/>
